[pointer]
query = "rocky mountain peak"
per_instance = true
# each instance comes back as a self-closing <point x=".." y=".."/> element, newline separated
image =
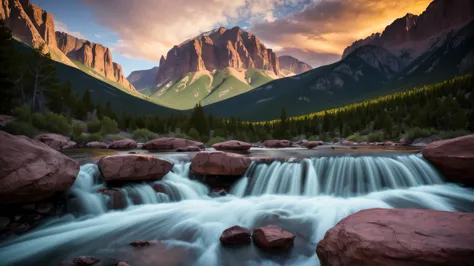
<point x="93" y="55"/>
<point x="411" y="32"/>
<point x="216" y="50"/>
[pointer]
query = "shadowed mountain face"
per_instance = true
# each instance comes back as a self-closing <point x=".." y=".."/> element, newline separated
<point x="143" y="79"/>
<point x="35" y="27"/>
<point x="293" y="65"/>
<point x="371" y="68"/>
<point x="410" y="36"/>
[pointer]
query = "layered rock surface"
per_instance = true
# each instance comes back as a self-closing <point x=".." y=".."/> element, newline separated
<point x="219" y="163"/>
<point x="399" y="237"/>
<point x="293" y="65"/>
<point x="409" y="36"/>
<point x="31" y="170"/>
<point x="215" y="50"/>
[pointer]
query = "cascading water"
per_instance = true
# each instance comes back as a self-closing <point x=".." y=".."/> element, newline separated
<point x="339" y="176"/>
<point x="306" y="198"/>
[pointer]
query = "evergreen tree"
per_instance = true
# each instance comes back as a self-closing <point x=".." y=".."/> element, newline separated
<point x="87" y="101"/>
<point x="99" y="110"/>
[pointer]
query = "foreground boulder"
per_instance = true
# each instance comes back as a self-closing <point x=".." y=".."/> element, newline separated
<point x="277" y="143"/>
<point x="311" y="144"/>
<point x="97" y="145"/>
<point x="453" y="157"/>
<point x="235" y="235"/>
<point x="123" y="144"/>
<point x="31" y="171"/>
<point x="85" y="260"/>
<point x="219" y="163"/>
<point x="133" y="167"/>
<point x="400" y="237"/>
<point x="166" y="144"/>
<point x="54" y="141"/>
<point x="232" y="145"/>
<point x="272" y="237"/>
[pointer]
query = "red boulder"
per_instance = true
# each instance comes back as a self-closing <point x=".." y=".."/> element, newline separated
<point x="132" y="167"/>
<point x="189" y="149"/>
<point x="166" y="144"/>
<point x="235" y="235"/>
<point x="123" y="144"/>
<point x="453" y="157"/>
<point x="232" y="145"/>
<point x="393" y="237"/>
<point x="97" y="145"/>
<point x="311" y="144"/>
<point x="219" y="163"/>
<point x="277" y="143"/>
<point x="272" y="237"/>
<point x="31" y="171"/>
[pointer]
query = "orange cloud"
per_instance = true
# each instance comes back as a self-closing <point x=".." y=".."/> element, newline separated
<point x="329" y="26"/>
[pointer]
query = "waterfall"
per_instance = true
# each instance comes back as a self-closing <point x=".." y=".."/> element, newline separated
<point x="339" y="176"/>
<point x="176" y="184"/>
<point x="304" y="197"/>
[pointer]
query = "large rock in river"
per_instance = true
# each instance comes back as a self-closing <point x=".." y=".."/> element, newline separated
<point x="165" y="144"/>
<point x="123" y="144"/>
<point x="32" y="171"/>
<point x="219" y="163"/>
<point x="235" y="235"/>
<point x="400" y="237"/>
<point x="132" y="167"/>
<point x="97" y="145"/>
<point x="453" y="157"/>
<point x="54" y="141"/>
<point x="272" y="237"/>
<point x="232" y="145"/>
<point x="277" y="143"/>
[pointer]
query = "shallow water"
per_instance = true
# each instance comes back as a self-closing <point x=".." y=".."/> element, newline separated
<point x="304" y="197"/>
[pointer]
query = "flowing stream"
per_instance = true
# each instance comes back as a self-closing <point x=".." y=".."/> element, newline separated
<point x="304" y="197"/>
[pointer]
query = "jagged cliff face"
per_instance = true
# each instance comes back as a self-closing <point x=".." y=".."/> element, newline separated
<point x="92" y="55"/>
<point x="35" y="27"/>
<point x="28" y="22"/>
<point x="293" y="65"/>
<point x="409" y="36"/>
<point x="216" y="50"/>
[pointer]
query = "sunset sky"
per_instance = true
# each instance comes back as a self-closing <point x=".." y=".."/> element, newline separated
<point x="140" y="31"/>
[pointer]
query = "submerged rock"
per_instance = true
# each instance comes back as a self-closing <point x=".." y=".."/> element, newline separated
<point x="277" y="143"/>
<point x="54" y="141"/>
<point x="219" y="163"/>
<point x="97" y="145"/>
<point x="272" y="237"/>
<point x="453" y="157"/>
<point x="235" y="235"/>
<point x="132" y="167"/>
<point x="189" y="149"/>
<point x="144" y="243"/>
<point x="85" y="260"/>
<point x="166" y="144"/>
<point x="123" y="144"/>
<point x="232" y="145"/>
<point x="31" y="171"/>
<point x="400" y="237"/>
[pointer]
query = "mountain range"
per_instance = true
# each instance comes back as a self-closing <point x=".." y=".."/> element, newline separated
<point x="408" y="53"/>
<point x="232" y="73"/>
